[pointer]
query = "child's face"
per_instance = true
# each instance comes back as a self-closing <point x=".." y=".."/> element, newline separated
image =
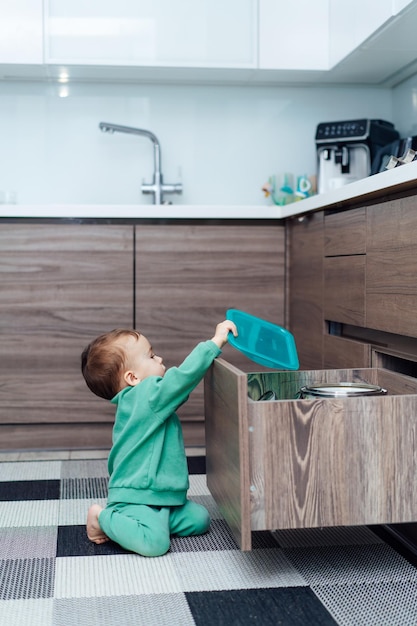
<point x="141" y="361"/>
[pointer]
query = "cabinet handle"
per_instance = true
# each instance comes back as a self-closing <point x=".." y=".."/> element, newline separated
<point x="303" y="218"/>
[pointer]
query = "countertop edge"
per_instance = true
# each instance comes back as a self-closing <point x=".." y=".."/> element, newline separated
<point x="397" y="180"/>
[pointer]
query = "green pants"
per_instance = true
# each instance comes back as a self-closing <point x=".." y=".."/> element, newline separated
<point x="147" y="529"/>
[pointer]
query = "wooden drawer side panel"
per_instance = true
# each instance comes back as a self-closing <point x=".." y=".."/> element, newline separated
<point x="227" y="446"/>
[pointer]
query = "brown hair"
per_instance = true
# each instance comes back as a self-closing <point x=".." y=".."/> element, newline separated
<point x="103" y="361"/>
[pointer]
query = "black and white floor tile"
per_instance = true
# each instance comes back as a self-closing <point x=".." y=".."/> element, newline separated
<point x="51" y="575"/>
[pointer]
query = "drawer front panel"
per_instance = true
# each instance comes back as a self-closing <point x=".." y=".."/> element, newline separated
<point x="345" y="233"/>
<point x="391" y="283"/>
<point x="344" y="289"/>
<point x="341" y="352"/>
<point x="366" y="445"/>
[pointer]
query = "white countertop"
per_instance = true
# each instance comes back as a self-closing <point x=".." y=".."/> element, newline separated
<point x="391" y="181"/>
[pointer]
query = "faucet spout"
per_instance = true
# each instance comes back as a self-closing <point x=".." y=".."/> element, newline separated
<point x="157" y="188"/>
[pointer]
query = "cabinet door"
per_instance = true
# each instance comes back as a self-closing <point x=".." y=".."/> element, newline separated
<point x="203" y="33"/>
<point x="62" y="285"/>
<point x="345" y="232"/>
<point x="352" y="22"/>
<point x="399" y="5"/>
<point x="340" y="353"/>
<point x="391" y="272"/>
<point x="305" y="297"/>
<point x="294" y="35"/>
<point x="344" y="289"/>
<point x="188" y="276"/>
<point x="21" y="31"/>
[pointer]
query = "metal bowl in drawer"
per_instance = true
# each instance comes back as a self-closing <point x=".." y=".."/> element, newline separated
<point x="340" y="390"/>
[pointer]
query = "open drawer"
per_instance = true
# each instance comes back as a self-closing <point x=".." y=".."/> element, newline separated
<point x="291" y="463"/>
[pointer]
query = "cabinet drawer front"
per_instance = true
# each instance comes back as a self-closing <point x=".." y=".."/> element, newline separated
<point x="391" y="283"/>
<point x="345" y="232"/>
<point x="344" y="289"/>
<point x="305" y="287"/>
<point x="151" y="33"/>
<point x="339" y="352"/>
<point x="366" y="445"/>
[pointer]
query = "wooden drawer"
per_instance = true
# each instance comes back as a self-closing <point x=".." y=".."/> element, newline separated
<point x="391" y="284"/>
<point x="309" y="463"/>
<point x="339" y="352"/>
<point x="344" y="289"/>
<point x="305" y="287"/>
<point x="345" y="232"/>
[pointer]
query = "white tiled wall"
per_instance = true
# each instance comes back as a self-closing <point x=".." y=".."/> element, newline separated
<point x="222" y="142"/>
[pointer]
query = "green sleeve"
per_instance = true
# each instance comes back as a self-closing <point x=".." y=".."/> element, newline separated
<point x="173" y="389"/>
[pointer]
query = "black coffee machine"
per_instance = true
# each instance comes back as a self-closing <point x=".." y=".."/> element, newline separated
<point x="346" y="150"/>
<point x="399" y="148"/>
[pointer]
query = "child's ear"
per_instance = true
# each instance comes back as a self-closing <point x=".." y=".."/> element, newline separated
<point x="130" y="378"/>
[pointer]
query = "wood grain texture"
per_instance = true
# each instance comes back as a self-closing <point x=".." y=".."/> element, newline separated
<point x="58" y="436"/>
<point x="316" y="463"/>
<point x="305" y="279"/>
<point x="187" y="276"/>
<point x="391" y="284"/>
<point x="339" y="352"/>
<point x="61" y="286"/>
<point x="333" y="462"/>
<point x="345" y="232"/>
<point x="227" y="454"/>
<point x="344" y="289"/>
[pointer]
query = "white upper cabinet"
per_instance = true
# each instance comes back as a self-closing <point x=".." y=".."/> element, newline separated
<point x="364" y="41"/>
<point x="352" y="22"/>
<point x="21" y="32"/>
<point x="399" y="5"/>
<point x="180" y="33"/>
<point x="373" y="41"/>
<point x="294" y="35"/>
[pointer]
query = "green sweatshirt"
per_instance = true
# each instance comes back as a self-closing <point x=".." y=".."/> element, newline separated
<point x="147" y="462"/>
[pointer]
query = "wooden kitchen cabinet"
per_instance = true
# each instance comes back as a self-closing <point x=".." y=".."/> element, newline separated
<point x="344" y="289"/>
<point x="345" y="232"/>
<point x="65" y="283"/>
<point x="305" y="245"/>
<point x="61" y="286"/>
<point x="326" y="258"/>
<point x="344" y="266"/>
<point x="187" y="276"/>
<point x="339" y="352"/>
<point x="391" y="267"/>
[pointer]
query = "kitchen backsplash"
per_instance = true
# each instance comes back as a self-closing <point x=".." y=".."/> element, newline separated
<point x="405" y="107"/>
<point x="221" y="142"/>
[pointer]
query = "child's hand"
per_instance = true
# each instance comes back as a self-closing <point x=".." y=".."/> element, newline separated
<point x="222" y="330"/>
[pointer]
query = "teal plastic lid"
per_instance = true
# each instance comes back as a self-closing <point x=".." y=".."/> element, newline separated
<point x="263" y="342"/>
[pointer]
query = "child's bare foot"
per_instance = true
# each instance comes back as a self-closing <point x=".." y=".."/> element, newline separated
<point x="94" y="532"/>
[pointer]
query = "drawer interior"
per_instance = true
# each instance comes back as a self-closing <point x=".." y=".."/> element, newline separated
<point x="286" y="385"/>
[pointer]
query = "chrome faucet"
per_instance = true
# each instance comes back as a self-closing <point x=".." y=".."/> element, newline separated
<point x="157" y="187"/>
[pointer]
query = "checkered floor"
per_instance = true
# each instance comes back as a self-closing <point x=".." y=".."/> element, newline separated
<point x="50" y="574"/>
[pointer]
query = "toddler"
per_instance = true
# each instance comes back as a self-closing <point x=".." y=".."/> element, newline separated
<point x="147" y="497"/>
